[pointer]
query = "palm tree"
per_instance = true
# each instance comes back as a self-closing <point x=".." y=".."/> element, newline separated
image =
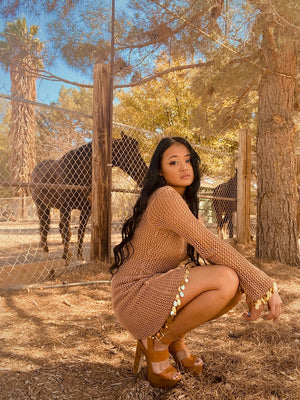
<point x="20" y="53"/>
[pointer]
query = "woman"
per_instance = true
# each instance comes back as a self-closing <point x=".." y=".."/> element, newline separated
<point x="158" y="300"/>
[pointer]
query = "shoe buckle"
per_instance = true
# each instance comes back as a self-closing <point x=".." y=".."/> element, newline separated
<point x="158" y="336"/>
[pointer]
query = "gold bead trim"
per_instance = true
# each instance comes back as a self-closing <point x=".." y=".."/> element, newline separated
<point x="267" y="296"/>
<point x="177" y="302"/>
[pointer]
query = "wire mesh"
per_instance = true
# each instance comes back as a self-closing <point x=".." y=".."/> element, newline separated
<point x="225" y="206"/>
<point x="45" y="219"/>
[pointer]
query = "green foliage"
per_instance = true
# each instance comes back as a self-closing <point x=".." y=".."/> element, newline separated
<point x="178" y="104"/>
<point x="208" y="105"/>
<point x="59" y="131"/>
<point x="82" y="38"/>
<point x="20" y="45"/>
<point x="162" y="106"/>
<point x="59" y="8"/>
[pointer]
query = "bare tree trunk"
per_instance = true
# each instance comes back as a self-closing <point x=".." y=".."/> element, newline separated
<point x="277" y="237"/>
<point x="22" y="128"/>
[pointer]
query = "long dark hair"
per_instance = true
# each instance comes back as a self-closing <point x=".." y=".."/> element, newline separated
<point x="151" y="183"/>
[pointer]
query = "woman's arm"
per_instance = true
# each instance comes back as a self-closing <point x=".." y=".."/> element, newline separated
<point x="168" y="210"/>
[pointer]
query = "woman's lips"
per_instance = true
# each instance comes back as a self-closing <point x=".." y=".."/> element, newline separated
<point x="186" y="176"/>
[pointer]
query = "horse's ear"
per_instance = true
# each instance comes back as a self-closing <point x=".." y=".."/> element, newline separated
<point x="129" y="140"/>
<point x="123" y="135"/>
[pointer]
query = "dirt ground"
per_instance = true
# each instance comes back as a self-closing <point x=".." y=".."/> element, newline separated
<point x="65" y="343"/>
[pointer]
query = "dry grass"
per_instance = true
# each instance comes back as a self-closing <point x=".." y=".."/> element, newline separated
<point x="64" y="343"/>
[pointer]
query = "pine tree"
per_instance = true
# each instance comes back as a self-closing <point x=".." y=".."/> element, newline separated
<point x="19" y="52"/>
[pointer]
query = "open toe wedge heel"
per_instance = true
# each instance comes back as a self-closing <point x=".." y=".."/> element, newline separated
<point x="164" y="379"/>
<point x="189" y="363"/>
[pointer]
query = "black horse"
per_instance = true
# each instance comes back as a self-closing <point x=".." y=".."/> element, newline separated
<point x="224" y="207"/>
<point x="65" y="184"/>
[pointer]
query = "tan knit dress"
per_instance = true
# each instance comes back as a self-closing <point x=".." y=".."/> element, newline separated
<point x="146" y="284"/>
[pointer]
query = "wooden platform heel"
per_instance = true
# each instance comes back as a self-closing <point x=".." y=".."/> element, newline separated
<point x="164" y="379"/>
<point x="188" y="363"/>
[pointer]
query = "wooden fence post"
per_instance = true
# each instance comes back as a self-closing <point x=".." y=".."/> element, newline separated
<point x="298" y="187"/>
<point x="101" y="164"/>
<point x="244" y="187"/>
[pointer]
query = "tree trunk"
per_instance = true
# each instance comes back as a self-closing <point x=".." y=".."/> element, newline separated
<point x="22" y="128"/>
<point x="277" y="237"/>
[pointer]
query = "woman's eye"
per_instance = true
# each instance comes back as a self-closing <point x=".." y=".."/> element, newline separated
<point x="173" y="162"/>
<point x="188" y="161"/>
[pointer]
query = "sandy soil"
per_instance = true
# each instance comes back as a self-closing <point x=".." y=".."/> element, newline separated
<point x="65" y="343"/>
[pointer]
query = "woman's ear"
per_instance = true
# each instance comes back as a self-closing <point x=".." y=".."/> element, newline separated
<point x="162" y="180"/>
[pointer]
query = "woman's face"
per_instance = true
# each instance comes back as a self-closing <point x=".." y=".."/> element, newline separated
<point x="176" y="167"/>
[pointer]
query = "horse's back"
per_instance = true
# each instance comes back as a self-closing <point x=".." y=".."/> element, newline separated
<point x="45" y="178"/>
<point x="224" y="191"/>
<point x="45" y="172"/>
<point x="52" y="179"/>
<point x="76" y="166"/>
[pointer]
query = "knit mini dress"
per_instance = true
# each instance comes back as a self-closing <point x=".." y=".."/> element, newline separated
<point x="146" y="284"/>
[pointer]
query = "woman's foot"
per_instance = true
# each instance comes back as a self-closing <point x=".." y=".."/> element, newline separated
<point x="160" y="372"/>
<point x="158" y="367"/>
<point x="184" y="359"/>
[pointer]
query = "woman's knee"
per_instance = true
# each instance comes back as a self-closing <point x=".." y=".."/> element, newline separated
<point x="213" y="277"/>
<point x="229" y="282"/>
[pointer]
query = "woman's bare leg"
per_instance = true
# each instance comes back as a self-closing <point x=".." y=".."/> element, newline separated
<point x="230" y="305"/>
<point x="210" y="292"/>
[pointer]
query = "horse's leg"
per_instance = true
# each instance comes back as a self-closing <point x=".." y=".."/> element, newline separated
<point x="221" y="222"/>
<point x="219" y="217"/>
<point x="222" y="230"/>
<point x="61" y="227"/>
<point x="65" y="230"/>
<point x="230" y="225"/>
<point x="225" y="223"/>
<point x="43" y="213"/>
<point x="84" y="217"/>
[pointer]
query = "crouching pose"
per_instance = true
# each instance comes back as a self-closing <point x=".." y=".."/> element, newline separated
<point x="154" y="296"/>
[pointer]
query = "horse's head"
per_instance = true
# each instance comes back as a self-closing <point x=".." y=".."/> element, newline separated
<point x="126" y="155"/>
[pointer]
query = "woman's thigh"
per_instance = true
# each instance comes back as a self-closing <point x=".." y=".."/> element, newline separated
<point x="207" y="278"/>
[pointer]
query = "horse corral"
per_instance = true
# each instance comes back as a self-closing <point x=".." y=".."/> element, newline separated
<point x="32" y="250"/>
<point x="65" y="184"/>
<point x="221" y="74"/>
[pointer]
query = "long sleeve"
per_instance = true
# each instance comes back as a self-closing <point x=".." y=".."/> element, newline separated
<point x="168" y="210"/>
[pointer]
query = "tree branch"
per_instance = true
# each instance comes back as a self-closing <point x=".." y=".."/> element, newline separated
<point x="166" y="71"/>
<point x="281" y="19"/>
<point x="175" y="69"/>
<point x="43" y="74"/>
<point x="238" y="101"/>
<point x="166" y="33"/>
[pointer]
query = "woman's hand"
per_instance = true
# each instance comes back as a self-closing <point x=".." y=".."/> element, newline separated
<point x="274" y="306"/>
<point x="253" y="313"/>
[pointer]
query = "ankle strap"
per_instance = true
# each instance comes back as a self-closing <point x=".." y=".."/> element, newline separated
<point x="160" y="337"/>
<point x="156" y="355"/>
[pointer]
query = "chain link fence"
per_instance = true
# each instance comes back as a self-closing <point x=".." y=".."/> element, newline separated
<point x="45" y="217"/>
